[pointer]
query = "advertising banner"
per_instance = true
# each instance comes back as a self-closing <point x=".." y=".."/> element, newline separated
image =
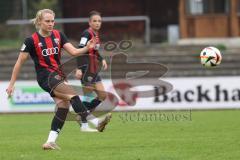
<point x="187" y="93"/>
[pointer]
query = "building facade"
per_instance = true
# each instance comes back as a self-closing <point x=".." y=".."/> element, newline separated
<point x="209" y="18"/>
<point x="195" y="18"/>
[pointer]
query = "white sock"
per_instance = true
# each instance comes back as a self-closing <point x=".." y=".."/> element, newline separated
<point x="52" y="137"/>
<point x="94" y="120"/>
<point x="84" y="125"/>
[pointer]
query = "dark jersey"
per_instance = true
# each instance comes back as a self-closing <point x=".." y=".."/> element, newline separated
<point x="45" y="51"/>
<point x="93" y="54"/>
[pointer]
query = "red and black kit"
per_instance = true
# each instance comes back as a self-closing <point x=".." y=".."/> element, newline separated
<point x="46" y="54"/>
<point x="91" y="62"/>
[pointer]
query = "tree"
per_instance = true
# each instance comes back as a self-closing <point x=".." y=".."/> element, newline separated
<point x="34" y="6"/>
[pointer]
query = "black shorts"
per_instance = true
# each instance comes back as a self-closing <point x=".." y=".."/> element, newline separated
<point x="89" y="78"/>
<point x="48" y="81"/>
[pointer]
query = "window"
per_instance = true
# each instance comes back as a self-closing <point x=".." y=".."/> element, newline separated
<point x="200" y="7"/>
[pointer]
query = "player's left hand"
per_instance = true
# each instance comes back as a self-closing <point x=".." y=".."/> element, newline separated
<point x="104" y="63"/>
<point x="78" y="74"/>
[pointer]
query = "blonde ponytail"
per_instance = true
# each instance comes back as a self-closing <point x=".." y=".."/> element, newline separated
<point x="39" y="16"/>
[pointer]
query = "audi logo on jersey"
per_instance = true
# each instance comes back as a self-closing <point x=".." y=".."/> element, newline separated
<point x="50" y="51"/>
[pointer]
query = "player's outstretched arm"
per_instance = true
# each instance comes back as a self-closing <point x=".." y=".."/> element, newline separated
<point x="16" y="69"/>
<point x="78" y="51"/>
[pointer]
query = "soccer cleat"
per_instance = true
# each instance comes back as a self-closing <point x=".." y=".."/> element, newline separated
<point x="50" y="146"/>
<point x="87" y="129"/>
<point x="102" y="124"/>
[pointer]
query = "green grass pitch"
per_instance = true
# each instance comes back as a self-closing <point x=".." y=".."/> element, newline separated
<point x="196" y="135"/>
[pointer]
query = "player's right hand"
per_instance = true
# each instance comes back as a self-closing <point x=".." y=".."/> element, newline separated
<point x="78" y="74"/>
<point x="91" y="43"/>
<point x="10" y="90"/>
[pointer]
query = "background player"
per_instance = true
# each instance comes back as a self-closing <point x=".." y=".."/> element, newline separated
<point x="88" y="74"/>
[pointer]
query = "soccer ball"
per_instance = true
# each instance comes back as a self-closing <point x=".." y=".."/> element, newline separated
<point x="210" y="57"/>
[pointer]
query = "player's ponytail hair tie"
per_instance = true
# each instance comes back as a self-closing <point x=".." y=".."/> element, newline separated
<point x="39" y="16"/>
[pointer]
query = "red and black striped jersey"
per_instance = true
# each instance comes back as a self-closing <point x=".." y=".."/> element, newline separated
<point x="45" y="51"/>
<point x="93" y="53"/>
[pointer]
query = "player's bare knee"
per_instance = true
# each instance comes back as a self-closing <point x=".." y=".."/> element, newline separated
<point x="64" y="104"/>
<point x="60" y="103"/>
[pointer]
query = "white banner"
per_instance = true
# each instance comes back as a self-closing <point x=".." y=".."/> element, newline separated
<point x="187" y="93"/>
<point x="194" y="93"/>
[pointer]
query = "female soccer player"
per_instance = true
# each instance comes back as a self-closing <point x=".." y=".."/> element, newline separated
<point x="90" y="80"/>
<point x="44" y="47"/>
